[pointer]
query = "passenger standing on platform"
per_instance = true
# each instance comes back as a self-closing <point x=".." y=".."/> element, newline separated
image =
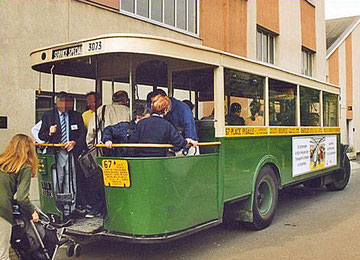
<point x="109" y="115"/>
<point x="18" y="164"/>
<point x="179" y="115"/>
<point x="93" y="101"/>
<point x="121" y="132"/>
<point x="63" y="125"/>
<point x="35" y="132"/>
<point x="157" y="130"/>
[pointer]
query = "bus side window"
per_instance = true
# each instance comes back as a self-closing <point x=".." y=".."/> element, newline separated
<point x="282" y="101"/>
<point x="244" y="99"/>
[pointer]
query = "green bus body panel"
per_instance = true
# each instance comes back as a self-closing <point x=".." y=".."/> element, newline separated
<point x="46" y="186"/>
<point x="166" y="195"/>
<point x="244" y="157"/>
<point x="173" y="194"/>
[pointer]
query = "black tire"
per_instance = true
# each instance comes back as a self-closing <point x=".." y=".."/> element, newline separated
<point x="265" y="199"/>
<point x="70" y="250"/>
<point x="342" y="177"/>
<point x="77" y="250"/>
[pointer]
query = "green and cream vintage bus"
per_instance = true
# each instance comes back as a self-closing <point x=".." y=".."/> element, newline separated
<point x="290" y="135"/>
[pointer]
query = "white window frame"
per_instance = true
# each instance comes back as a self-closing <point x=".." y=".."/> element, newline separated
<point x="307" y="62"/>
<point x="270" y="37"/>
<point x="162" y="23"/>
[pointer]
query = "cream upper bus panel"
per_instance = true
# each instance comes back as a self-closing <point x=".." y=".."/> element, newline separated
<point x="163" y="47"/>
<point x="42" y="60"/>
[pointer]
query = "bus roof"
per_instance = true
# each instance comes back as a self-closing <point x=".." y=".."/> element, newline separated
<point x="75" y="58"/>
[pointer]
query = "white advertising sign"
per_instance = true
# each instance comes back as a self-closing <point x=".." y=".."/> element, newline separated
<point x="312" y="153"/>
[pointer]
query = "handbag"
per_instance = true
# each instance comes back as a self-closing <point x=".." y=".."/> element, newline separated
<point x="87" y="162"/>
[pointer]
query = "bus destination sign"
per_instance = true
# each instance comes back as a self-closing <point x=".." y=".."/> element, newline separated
<point x="67" y="52"/>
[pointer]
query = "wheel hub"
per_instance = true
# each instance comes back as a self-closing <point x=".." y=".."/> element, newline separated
<point x="264" y="198"/>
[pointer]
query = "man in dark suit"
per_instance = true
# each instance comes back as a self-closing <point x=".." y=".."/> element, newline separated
<point x="63" y="125"/>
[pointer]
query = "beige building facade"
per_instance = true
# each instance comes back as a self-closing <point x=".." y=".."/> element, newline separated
<point x="285" y="34"/>
<point x="343" y="59"/>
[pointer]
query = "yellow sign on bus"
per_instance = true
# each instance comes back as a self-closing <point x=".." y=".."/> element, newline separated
<point x="116" y="173"/>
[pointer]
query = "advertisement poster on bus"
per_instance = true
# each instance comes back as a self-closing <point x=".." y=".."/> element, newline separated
<point x="312" y="153"/>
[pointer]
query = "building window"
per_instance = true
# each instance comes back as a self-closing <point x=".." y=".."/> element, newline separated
<point x="265" y="50"/>
<point x="178" y="14"/>
<point x="307" y="62"/>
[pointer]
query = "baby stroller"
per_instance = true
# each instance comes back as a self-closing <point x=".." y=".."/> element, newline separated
<point x="36" y="240"/>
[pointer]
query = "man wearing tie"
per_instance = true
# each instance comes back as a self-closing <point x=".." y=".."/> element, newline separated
<point x="63" y="125"/>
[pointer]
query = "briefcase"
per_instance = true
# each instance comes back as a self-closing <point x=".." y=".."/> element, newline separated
<point x="87" y="161"/>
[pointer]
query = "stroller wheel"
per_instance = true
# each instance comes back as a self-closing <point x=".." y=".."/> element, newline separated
<point x="77" y="250"/>
<point x="70" y="249"/>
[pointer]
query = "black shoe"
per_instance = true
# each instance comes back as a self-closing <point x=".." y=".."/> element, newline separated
<point x="66" y="223"/>
<point x="80" y="210"/>
<point x="93" y="213"/>
<point x="77" y="214"/>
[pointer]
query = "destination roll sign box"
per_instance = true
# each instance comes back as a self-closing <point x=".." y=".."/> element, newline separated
<point x="67" y="52"/>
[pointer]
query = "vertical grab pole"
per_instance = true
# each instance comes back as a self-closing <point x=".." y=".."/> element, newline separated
<point x="170" y="82"/>
<point x="321" y="109"/>
<point x="54" y="123"/>
<point x="219" y="93"/>
<point x="53" y="87"/>
<point x="96" y="90"/>
<point x="298" y="111"/>
<point x="267" y="104"/>
<point x="131" y="84"/>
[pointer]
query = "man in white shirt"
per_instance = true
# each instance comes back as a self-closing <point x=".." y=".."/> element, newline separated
<point x="35" y="132"/>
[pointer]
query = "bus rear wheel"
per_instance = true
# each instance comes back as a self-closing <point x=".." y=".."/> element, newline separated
<point x="265" y="198"/>
<point x="341" y="177"/>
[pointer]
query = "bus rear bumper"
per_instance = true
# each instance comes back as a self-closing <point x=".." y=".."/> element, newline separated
<point x="141" y="239"/>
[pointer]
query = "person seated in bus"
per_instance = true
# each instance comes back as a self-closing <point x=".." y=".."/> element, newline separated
<point x="179" y="115"/>
<point x="155" y="129"/>
<point x="209" y="117"/>
<point x="112" y="114"/>
<point x="121" y="132"/>
<point x="256" y="118"/>
<point x="234" y="118"/>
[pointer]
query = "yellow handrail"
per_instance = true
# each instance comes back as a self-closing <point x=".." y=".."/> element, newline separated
<point x="128" y="145"/>
<point x="152" y="145"/>
<point x="50" y="145"/>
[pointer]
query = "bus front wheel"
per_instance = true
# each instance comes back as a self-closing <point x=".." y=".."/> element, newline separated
<point x="341" y="177"/>
<point x="265" y="198"/>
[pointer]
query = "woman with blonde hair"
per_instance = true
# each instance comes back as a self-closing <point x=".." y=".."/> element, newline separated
<point x="18" y="163"/>
<point x="158" y="130"/>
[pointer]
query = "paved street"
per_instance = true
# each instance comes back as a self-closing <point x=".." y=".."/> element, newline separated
<point x="309" y="224"/>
